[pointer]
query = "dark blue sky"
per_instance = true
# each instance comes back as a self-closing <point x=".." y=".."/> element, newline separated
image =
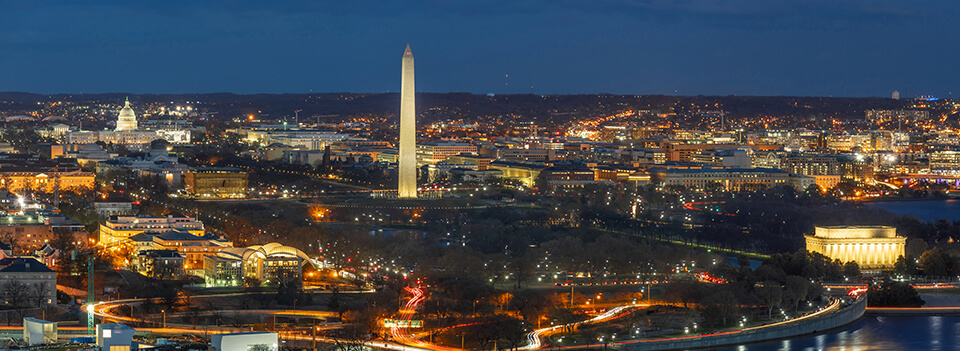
<point x="743" y="47"/>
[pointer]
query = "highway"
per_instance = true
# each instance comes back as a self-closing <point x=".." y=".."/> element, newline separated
<point x="105" y="310"/>
<point x="832" y="307"/>
<point x="533" y="338"/>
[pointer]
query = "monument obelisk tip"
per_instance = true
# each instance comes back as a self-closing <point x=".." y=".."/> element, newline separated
<point x="407" y="163"/>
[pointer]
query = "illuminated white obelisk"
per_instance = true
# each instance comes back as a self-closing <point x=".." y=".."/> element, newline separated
<point x="407" y="188"/>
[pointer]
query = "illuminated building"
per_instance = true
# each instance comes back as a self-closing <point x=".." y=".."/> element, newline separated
<point x="872" y="247"/>
<point x="127" y="133"/>
<point x="222" y="271"/>
<point x="30" y="273"/>
<point x="192" y="247"/>
<point x="265" y="341"/>
<point x="85" y="154"/>
<point x="945" y="162"/>
<point x="857" y="168"/>
<point x="39" y="332"/>
<point x="267" y="263"/>
<point x="727" y="158"/>
<point x="160" y="264"/>
<point x="765" y="160"/>
<point x="520" y="154"/>
<point x="56" y="131"/>
<point x="810" y="164"/>
<point x="567" y="176"/>
<point x="639" y="179"/>
<point x="30" y="231"/>
<point x="801" y="182"/>
<point x="407" y="163"/>
<point x="440" y="170"/>
<point x="525" y="173"/>
<point x="848" y="166"/>
<point x="480" y="161"/>
<point x="216" y="182"/>
<point x="36" y="180"/>
<point x="645" y="155"/>
<point x="22" y="172"/>
<point x="436" y="152"/>
<point x="730" y="179"/>
<point x="307" y="139"/>
<point x="127" y="119"/>
<point x="826" y="181"/>
<point x="881" y="116"/>
<point x="120" y="228"/>
<point x="682" y="152"/>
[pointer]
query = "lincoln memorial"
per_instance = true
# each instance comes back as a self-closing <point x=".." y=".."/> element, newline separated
<point x="872" y="247"/>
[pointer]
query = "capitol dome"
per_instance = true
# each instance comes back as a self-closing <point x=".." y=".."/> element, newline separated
<point x="127" y="120"/>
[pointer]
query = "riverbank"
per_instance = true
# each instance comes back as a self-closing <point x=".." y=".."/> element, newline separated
<point x="824" y="320"/>
<point x="898" y="199"/>
<point x="913" y="311"/>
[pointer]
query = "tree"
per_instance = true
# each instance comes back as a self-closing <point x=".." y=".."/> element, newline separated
<point x="511" y="330"/>
<point x="936" y="263"/>
<point x="851" y="270"/>
<point x="894" y="294"/>
<point x="797" y="289"/>
<point x="771" y="294"/>
<point x="565" y="317"/>
<point x="351" y="337"/>
<point x="251" y="282"/>
<point x="720" y="308"/>
<point x="15" y="292"/>
<point x="905" y="266"/>
<point x="40" y="292"/>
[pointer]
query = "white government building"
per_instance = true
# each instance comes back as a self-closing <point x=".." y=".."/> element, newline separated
<point x="127" y="132"/>
<point x="872" y="247"/>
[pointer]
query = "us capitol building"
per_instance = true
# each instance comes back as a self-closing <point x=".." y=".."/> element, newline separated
<point x="127" y="133"/>
<point x="872" y="247"/>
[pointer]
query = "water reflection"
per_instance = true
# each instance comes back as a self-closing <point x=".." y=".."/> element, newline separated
<point x="872" y="333"/>
<point x="936" y="327"/>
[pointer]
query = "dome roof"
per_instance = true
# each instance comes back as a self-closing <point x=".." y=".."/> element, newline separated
<point x="127" y="120"/>
<point x="127" y="111"/>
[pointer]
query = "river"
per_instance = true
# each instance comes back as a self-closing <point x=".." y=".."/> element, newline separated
<point x="872" y="333"/>
<point x="928" y="210"/>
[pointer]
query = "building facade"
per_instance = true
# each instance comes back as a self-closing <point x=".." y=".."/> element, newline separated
<point x="192" y="247"/>
<point x="39" y="280"/>
<point x="729" y="179"/>
<point x="216" y="182"/>
<point x="436" y="152"/>
<point x="117" y="230"/>
<point x="871" y="247"/>
<point x="160" y="264"/>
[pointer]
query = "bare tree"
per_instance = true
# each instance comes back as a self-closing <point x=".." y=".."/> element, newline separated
<point x="40" y="292"/>
<point x="350" y="338"/>
<point x="15" y="293"/>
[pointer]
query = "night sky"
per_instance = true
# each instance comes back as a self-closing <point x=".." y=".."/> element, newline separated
<point x="684" y="47"/>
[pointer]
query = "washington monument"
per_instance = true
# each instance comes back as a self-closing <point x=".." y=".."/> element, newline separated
<point x="407" y="188"/>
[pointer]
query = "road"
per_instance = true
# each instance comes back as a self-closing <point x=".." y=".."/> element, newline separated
<point x="832" y="307"/>
<point x="401" y="334"/>
<point x="533" y="338"/>
<point x="105" y="311"/>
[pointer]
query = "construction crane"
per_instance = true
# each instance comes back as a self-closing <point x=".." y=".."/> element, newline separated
<point x="90" y="297"/>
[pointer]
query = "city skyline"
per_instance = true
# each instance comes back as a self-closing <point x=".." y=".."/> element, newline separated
<point x="737" y="48"/>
